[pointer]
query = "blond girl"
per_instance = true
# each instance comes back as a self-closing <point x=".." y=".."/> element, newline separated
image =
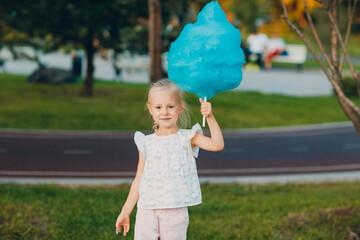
<point x="166" y="181"/>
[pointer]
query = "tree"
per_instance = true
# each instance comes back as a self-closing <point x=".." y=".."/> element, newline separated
<point x="84" y="23"/>
<point x="155" y="45"/>
<point x="159" y="38"/>
<point x="250" y="11"/>
<point x="95" y="25"/>
<point x="333" y="65"/>
<point x="11" y="38"/>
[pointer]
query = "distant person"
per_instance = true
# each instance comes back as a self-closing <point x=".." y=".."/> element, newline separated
<point x="77" y="64"/>
<point x="2" y="65"/>
<point x="166" y="181"/>
<point x="115" y="60"/>
<point x="274" y="46"/>
<point x="117" y="72"/>
<point x="256" y="45"/>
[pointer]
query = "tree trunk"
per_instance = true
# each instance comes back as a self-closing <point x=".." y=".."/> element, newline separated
<point x="89" y="80"/>
<point x="334" y="44"/>
<point x="351" y="110"/>
<point x="155" y="40"/>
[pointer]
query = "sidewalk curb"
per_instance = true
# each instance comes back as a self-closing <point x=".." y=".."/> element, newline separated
<point x="315" y="178"/>
<point x="295" y="128"/>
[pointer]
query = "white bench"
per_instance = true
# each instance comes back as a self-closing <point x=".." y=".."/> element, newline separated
<point x="138" y="62"/>
<point x="296" y="54"/>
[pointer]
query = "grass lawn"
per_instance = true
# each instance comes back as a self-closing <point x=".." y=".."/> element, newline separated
<point x="352" y="47"/>
<point x="311" y="64"/>
<point x="309" y="211"/>
<point x="121" y="106"/>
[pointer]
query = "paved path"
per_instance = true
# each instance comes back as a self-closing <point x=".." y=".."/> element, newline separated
<point x="288" y="82"/>
<point x="332" y="177"/>
<point x="249" y="155"/>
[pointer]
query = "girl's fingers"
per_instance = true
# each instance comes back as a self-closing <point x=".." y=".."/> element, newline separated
<point x="118" y="228"/>
<point x="205" y="113"/>
<point x="205" y="108"/>
<point x="207" y="105"/>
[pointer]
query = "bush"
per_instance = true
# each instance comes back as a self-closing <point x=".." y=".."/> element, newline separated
<point x="350" y="87"/>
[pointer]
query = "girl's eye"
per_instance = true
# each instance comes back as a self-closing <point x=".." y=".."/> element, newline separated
<point x="171" y="106"/>
<point x="157" y="107"/>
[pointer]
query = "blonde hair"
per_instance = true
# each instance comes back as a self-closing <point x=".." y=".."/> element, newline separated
<point x="184" y="118"/>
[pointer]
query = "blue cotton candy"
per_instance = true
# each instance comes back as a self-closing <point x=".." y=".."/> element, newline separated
<point x="206" y="58"/>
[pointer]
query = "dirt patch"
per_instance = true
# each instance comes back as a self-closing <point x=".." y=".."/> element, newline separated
<point x="22" y="221"/>
<point x="297" y="220"/>
<point x="333" y="213"/>
<point x="352" y="235"/>
<point x="340" y="221"/>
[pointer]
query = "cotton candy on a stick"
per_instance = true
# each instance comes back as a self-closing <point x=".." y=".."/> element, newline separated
<point x="206" y="58"/>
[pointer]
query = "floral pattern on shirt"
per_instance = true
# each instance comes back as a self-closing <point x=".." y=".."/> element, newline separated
<point x="170" y="177"/>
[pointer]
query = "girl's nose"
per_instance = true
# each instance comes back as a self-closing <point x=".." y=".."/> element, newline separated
<point x="165" y="111"/>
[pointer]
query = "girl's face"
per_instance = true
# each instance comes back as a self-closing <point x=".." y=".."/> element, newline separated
<point x="164" y="108"/>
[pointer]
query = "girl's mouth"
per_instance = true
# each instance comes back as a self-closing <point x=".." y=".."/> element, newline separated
<point x="165" y="119"/>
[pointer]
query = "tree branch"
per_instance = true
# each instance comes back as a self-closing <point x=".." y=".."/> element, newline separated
<point x="342" y="43"/>
<point x="317" y="38"/>
<point x="285" y="17"/>
<point x="324" y="5"/>
<point x="351" y="110"/>
<point x="351" y="16"/>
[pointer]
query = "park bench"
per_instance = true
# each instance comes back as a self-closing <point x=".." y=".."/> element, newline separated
<point x="136" y="62"/>
<point x="296" y="54"/>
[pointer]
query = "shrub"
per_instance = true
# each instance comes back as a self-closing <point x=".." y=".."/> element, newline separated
<point x="350" y="87"/>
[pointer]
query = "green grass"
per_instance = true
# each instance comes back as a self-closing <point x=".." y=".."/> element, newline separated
<point x="121" y="106"/>
<point x="309" y="211"/>
<point x="352" y="48"/>
<point x="310" y="64"/>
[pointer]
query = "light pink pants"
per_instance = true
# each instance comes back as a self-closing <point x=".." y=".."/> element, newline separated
<point x="166" y="224"/>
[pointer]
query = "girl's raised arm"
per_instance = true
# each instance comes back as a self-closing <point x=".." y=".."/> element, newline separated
<point x="123" y="219"/>
<point x="216" y="141"/>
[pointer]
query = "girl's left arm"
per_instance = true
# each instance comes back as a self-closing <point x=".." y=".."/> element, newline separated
<point x="216" y="141"/>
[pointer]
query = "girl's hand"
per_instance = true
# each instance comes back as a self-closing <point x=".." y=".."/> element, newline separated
<point x="122" y="221"/>
<point x="206" y="109"/>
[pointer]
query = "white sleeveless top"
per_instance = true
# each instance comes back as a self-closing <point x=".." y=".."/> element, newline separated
<point x="170" y="177"/>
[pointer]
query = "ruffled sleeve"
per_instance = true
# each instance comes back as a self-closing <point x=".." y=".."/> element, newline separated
<point x="191" y="134"/>
<point x="139" y="139"/>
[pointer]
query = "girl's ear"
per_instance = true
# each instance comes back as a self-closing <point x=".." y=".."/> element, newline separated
<point x="148" y="107"/>
<point x="181" y="109"/>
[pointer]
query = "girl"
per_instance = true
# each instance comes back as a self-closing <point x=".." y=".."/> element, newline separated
<point x="166" y="181"/>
